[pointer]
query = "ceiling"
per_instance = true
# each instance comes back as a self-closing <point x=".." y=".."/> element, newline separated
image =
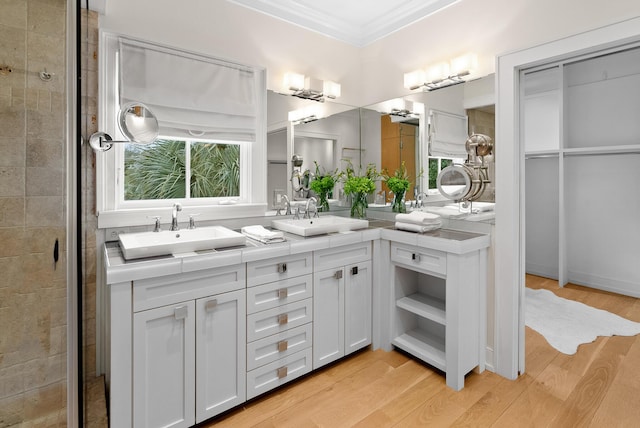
<point x="358" y="23"/>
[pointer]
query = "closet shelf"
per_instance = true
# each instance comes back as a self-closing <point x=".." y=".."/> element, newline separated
<point x="602" y="150"/>
<point x="424" y="345"/>
<point x="425" y="306"/>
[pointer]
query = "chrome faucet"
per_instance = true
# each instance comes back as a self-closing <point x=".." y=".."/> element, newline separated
<point x="312" y="205"/>
<point x="287" y="206"/>
<point x="420" y="197"/>
<point x="174" y="216"/>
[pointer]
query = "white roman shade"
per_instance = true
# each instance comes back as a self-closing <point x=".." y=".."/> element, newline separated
<point x="191" y="95"/>
<point x="447" y="134"/>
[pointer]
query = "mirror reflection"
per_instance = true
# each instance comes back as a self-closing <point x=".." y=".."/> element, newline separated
<point x="386" y="134"/>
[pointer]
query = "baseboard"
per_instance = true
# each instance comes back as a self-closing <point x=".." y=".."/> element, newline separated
<point x="626" y="288"/>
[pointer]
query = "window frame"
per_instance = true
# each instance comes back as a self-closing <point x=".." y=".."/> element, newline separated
<point x="110" y="210"/>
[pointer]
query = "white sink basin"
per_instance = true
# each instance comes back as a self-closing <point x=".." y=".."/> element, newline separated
<point x="149" y="244"/>
<point x="319" y="226"/>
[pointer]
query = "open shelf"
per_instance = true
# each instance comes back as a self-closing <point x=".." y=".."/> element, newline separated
<point x="423" y="345"/>
<point x="425" y="306"/>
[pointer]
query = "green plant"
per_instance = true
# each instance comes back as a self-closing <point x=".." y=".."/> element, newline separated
<point x="359" y="186"/>
<point x="398" y="183"/>
<point x="322" y="185"/>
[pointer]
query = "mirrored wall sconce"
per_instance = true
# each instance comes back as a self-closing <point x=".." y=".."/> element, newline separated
<point x="442" y="74"/>
<point x="309" y="88"/>
<point x="137" y="123"/>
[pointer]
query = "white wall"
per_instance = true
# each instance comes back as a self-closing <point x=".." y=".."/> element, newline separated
<point x="488" y="28"/>
<point x="371" y="74"/>
<point x="226" y="30"/>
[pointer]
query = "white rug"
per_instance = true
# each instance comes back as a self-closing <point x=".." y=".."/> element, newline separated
<point x="566" y="324"/>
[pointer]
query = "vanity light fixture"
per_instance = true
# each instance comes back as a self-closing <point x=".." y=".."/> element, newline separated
<point x="309" y="88"/>
<point x="305" y="115"/>
<point x="442" y="74"/>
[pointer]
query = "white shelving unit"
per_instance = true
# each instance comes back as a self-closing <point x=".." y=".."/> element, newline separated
<point x="439" y="304"/>
<point x="582" y="146"/>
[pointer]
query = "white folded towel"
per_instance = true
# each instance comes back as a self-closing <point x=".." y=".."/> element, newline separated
<point x="259" y="233"/>
<point x="412" y="227"/>
<point x="418" y="217"/>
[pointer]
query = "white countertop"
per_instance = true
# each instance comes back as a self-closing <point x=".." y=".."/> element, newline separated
<point x="120" y="270"/>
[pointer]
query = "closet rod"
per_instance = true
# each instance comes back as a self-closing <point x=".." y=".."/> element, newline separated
<point x="627" y="152"/>
<point x="551" y="155"/>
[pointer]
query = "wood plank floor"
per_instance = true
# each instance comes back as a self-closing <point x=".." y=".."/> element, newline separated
<point x="599" y="386"/>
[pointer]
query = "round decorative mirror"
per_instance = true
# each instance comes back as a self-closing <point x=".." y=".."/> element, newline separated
<point x="454" y="182"/>
<point x="138" y="123"/>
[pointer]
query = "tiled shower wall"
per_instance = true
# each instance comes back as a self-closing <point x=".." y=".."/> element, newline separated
<point x="33" y="289"/>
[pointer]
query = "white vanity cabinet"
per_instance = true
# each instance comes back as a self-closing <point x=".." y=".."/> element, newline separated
<point x="439" y="300"/>
<point x="163" y="366"/>
<point x="188" y="355"/>
<point x="279" y="320"/>
<point x="342" y="286"/>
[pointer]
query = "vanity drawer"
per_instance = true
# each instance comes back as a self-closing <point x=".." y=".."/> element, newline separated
<point x="277" y="320"/>
<point x="342" y="256"/>
<point x="277" y="346"/>
<point x="167" y="290"/>
<point x="278" y="373"/>
<point x="276" y="269"/>
<point x="274" y="294"/>
<point x="424" y="259"/>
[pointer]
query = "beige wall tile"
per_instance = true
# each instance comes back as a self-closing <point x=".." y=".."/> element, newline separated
<point x="44" y="211"/>
<point x="11" y="212"/>
<point x="45" y="182"/>
<point x="13" y="151"/>
<point x="12" y="241"/>
<point x="44" y="153"/>
<point x="13" y="123"/>
<point x="46" y="18"/>
<point x="14" y="14"/>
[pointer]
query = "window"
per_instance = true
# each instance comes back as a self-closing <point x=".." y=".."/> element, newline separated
<point x="435" y="166"/>
<point x="175" y="169"/>
<point x="211" y="156"/>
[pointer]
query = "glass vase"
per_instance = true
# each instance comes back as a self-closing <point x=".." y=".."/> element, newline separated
<point x="359" y="205"/>
<point x="323" y="201"/>
<point x="398" y="205"/>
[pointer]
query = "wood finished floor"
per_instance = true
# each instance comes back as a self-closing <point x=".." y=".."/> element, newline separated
<point x="599" y="386"/>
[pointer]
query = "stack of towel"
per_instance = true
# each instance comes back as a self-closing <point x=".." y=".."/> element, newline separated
<point x="260" y="234"/>
<point x="418" y="221"/>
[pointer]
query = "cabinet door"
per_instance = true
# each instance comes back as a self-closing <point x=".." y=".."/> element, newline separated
<point x="163" y="366"/>
<point x="220" y="353"/>
<point x="357" y="292"/>
<point x="328" y="316"/>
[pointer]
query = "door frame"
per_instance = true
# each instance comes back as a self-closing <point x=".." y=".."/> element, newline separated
<point x="510" y="186"/>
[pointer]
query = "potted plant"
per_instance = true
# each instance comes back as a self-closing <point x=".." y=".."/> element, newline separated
<point x="322" y="185"/>
<point x="398" y="183"/>
<point x="359" y="186"/>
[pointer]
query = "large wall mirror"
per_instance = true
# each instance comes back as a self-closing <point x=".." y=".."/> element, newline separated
<point x="407" y="129"/>
<point x="301" y="133"/>
<point x="386" y="134"/>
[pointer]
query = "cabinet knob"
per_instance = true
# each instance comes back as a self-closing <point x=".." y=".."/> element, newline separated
<point x="211" y="305"/>
<point x="283" y="345"/>
<point x="283" y="293"/>
<point x="354" y="270"/>
<point x="415" y="257"/>
<point x="180" y="312"/>
<point x="282" y="267"/>
<point x="283" y="319"/>
<point x="338" y="274"/>
<point x="282" y="372"/>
